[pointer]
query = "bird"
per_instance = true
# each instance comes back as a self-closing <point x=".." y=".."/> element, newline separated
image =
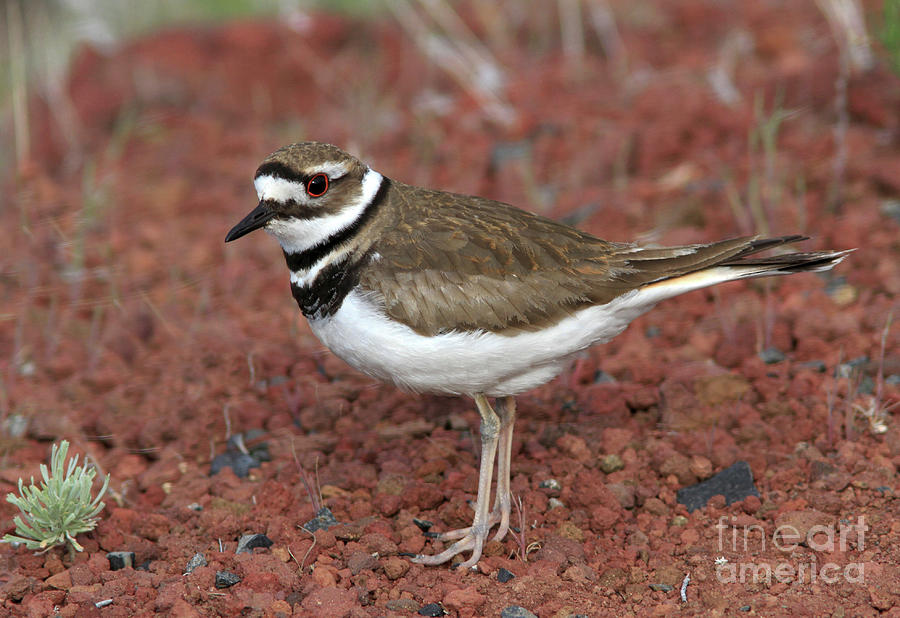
<point x="437" y="292"/>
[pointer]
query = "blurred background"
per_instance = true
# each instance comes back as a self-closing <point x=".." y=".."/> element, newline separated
<point x="131" y="131"/>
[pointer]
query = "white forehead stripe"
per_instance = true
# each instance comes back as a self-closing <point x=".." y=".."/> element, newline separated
<point x="298" y="235"/>
<point x="279" y="189"/>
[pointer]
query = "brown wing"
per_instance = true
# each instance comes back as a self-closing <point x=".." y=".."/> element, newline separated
<point x="453" y="262"/>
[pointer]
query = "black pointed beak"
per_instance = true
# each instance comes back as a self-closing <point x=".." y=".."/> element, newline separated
<point x="257" y="218"/>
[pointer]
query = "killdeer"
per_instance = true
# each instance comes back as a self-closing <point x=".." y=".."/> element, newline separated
<point x="444" y="293"/>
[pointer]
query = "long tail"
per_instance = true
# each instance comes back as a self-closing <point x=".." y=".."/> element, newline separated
<point x="727" y="261"/>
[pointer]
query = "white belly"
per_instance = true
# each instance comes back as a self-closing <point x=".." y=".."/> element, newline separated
<point x="467" y="362"/>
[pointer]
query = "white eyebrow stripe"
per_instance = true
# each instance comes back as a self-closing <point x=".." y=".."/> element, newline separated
<point x="279" y="190"/>
<point x="332" y="169"/>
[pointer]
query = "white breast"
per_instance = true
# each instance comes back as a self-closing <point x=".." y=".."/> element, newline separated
<point x="465" y="362"/>
<point x="481" y="362"/>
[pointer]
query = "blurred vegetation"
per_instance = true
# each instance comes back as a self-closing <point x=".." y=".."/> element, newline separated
<point x="37" y="38"/>
<point x="890" y="33"/>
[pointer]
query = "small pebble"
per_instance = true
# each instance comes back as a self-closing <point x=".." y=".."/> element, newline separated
<point x="194" y="506"/>
<point x="15" y="425"/>
<point x="555" y="503"/>
<point x="815" y="365"/>
<point x="402" y="605"/>
<point x="323" y="520"/>
<point x="226" y="579"/>
<point x="249" y="541"/>
<point x="120" y="559"/>
<point x="745" y="608"/>
<point x="504" y="576"/>
<point x="423" y="524"/>
<point x="611" y="463"/>
<point x="601" y="377"/>
<point x="197" y="560"/>
<point x="550" y="484"/>
<point x="661" y="587"/>
<point x="771" y="355"/>
<point x="846" y="370"/>
<point x="103" y="603"/>
<point x="890" y="208"/>
<point x="432" y="609"/>
<point x="516" y="611"/>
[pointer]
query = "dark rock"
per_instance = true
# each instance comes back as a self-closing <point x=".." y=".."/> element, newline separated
<point x="552" y="484"/>
<point x="432" y="609"/>
<point x="226" y="579"/>
<point x="890" y="208"/>
<point x="240" y="463"/>
<point x="601" y="377"/>
<point x="120" y="560"/>
<point x="249" y="541"/>
<point x="239" y="457"/>
<point x="734" y="482"/>
<point x="771" y="355"/>
<point x="815" y="365"/>
<point x="504" y="576"/>
<point x="197" y="560"/>
<point x="516" y="611"/>
<point x="423" y="524"/>
<point x="323" y="520"/>
<point x="661" y="587"/>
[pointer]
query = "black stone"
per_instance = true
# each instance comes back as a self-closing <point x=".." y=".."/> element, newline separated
<point x="734" y="482"/>
<point x="249" y="541"/>
<point x="239" y="457"/>
<point x="432" y="609"/>
<point x="226" y="579"/>
<point x="771" y="355"/>
<point x="423" y="524"/>
<point x="323" y="520"/>
<point x="120" y="560"/>
<point x="196" y="561"/>
<point x="240" y="463"/>
<point x="815" y="365"/>
<point x="504" y="576"/>
<point x="516" y="611"/>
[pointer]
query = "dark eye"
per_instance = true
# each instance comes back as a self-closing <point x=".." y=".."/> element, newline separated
<point x="317" y="185"/>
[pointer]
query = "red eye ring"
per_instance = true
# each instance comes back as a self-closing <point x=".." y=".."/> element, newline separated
<point x="317" y="185"/>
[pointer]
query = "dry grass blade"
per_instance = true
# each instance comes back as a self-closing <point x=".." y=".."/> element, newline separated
<point x="456" y="50"/>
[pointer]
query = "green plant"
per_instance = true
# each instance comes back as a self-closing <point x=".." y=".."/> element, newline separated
<point x="61" y="508"/>
<point x="890" y="33"/>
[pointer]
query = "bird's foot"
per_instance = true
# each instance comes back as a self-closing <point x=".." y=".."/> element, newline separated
<point x="470" y="539"/>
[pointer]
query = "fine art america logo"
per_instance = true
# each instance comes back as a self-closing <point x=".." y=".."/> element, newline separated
<point x="752" y="539"/>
